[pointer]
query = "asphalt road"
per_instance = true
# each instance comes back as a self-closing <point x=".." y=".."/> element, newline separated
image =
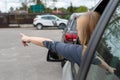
<point x="26" y="63"/>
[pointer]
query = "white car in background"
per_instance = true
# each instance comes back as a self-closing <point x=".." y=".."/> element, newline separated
<point x="41" y="21"/>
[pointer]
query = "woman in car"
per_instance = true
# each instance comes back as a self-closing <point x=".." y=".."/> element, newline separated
<point x="73" y="52"/>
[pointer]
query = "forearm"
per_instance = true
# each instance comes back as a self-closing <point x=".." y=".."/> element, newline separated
<point x="104" y="65"/>
<point x="38" y="40"/>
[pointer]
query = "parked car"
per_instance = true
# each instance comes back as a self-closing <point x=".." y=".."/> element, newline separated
<point x="41" y="21"/>
<point x="105" y="43"/>
<point x="69" y="34"/>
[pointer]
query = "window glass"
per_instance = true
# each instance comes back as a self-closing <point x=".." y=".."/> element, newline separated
<point x="74" y="25"/>
<point x="109" y="50"/>
<point x="45" y="17"/>
<point x="69" y="23"/>
<point x="52" y="18"/>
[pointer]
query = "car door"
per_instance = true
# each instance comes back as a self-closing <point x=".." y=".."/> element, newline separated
<point x="44" y="20"/>
<point x="47" y="20"/>
<point x="52" y="20"/>
<point x="104" y="43"/>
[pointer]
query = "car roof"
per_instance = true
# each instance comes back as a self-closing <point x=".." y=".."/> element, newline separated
<point x="72" y="20"/>
<point x="74" y="15"/>
<point x="46" y="15"/>
<point x="99" y="8"/>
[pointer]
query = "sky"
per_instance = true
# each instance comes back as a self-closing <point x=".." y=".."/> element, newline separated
<point x="76" y="3"/>
<point x="6" y="4"/>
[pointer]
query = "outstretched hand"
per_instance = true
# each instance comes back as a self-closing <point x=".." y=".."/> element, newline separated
<point x="111" y="70"/>
<point x="34" y="40"/>
<point x="24" y="39"/>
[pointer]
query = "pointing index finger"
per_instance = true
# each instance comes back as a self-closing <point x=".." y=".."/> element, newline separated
<point x="22" y="34"/>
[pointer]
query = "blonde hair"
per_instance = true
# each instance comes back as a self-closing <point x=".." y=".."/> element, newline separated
<point x="86" y="25"/>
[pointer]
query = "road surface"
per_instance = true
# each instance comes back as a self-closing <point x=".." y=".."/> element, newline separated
<point x="26" y="63"/>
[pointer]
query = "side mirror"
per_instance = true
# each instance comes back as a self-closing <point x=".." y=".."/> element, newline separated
<point x="54" y="57"/>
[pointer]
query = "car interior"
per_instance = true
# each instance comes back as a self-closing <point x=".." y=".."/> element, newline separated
<point x="106" y="47"/>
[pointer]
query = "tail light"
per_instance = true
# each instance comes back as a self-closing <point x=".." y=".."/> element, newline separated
<point x="71" y="37"/>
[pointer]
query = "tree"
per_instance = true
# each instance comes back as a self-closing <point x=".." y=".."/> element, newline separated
<point x="81" y="9"/>
<point x="24" y="4"/>
<point x="55" y="9"/>
<point x="11" y="9"/>
<point x="54" y="1"/>
<point x="70" y="9"/>
<point x="62" y="9"/>
<point x="38" y="2"/>
<point x="48" y="10"/>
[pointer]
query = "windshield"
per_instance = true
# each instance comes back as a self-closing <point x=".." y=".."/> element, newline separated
<point x="74" y="25"/>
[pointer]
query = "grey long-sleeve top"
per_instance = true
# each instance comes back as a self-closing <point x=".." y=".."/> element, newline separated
<point x="72" y="52"/>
